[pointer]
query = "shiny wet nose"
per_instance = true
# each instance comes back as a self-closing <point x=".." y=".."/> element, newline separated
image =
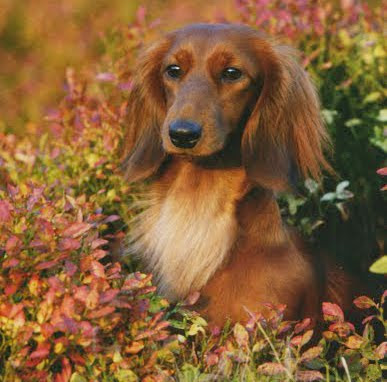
<point x="184" y="134"/>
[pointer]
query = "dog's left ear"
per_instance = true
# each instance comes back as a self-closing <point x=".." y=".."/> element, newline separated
<point x="142" y="151"/>
<point x="284" y="135"/>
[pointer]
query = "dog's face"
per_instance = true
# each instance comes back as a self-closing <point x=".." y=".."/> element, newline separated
<point x="206" y="85"/>
<point x="210" y="85"/>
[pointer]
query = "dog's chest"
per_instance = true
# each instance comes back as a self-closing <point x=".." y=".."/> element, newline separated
<point x="186" y="234"/>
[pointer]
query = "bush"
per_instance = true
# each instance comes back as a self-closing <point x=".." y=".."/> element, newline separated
<point x="70" y="312"/>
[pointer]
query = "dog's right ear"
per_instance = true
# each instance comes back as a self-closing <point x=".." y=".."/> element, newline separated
<point x="142" y="150"/>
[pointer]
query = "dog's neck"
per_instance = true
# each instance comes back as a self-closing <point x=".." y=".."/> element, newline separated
<point x="192" y="225"/>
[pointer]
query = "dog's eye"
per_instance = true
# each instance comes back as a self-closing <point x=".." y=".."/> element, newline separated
<point x="231" y="74"/>
<point x="174" y="71"/>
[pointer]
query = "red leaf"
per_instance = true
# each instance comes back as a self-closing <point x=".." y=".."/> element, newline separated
<point x="10" y="263"/>
<point x="301" y="326"/>
<point x="5" y="211"/>
<point x="81" y="293"/>
<point x="47" y="264"/>
<point x="363" y="302"/>
<point x="332" y="312"/>
<point x="106" y="310"/>
<point x="65" y="374"/>
<point x="68" y="305"/>
<point x="43" y="350"/>
<point x="69" y="244"/>
<point x="108" y="295"/>
<point x="76" y="229"/>
<point x="13" y="245"/>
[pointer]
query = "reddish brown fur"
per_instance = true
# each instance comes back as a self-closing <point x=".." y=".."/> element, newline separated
<point x="213" y="222"/>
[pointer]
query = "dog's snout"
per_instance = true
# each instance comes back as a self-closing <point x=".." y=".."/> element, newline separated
<point x="184" y="134"/>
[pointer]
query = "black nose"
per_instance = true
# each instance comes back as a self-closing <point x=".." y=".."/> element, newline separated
<point x="184" y="134"/>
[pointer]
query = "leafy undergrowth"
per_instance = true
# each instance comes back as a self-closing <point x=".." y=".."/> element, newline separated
<point x="70" y="310"/>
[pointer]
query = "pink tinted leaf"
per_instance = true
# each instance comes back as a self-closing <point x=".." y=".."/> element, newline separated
<point x="108" y="296"/>
<point x="70" y="267"/>
<point x="111" y="219"/>
<point x="140" y="15"/>
<point x="311" y="353"/>
<point x="98" y="243"/>
<point x="76" y="229"/>
<point x="97" y="269"/>
<point x="106" y="310"/>
<point x="241" y="335"/>
<point x="81" y="293"/>
<point x="306" y="337"/>
<point x="271" y="368"/>
<point x="332" y="312"/>
<point x="363" y="302"/>
<point x="354" y="342"/>
<point x="301" y="326"/>
<point x="212" y="359"/>
<point x="65" y="374"/>
<point x="69" y="244"/>
<point x="309" y="376"/>
<point x="384" y="295"/>
<point x="368" y="319"/>
<point x="99" y="254"/>
<point x="135" y="347"/>
<point x="42" y="351"/>
<point x="5" y="211"/>
<point x="381" y="350"/>
<point x="382" y="171"/>
<point x="13" y="245"/>
<point x="341" y="328"/>
<point x="105" y="77"/>
<point x="47" y="264"/>
<point x="10" y="263"/>
<point x="92" y="299"/>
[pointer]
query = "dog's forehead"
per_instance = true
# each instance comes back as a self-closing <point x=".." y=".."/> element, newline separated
<point x="207" y="37"/>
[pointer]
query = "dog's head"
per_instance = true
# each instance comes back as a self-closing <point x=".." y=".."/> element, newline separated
<point x="205" y="85"/>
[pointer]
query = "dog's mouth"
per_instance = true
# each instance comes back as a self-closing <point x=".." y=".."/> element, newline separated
<point x="227" y="156"/>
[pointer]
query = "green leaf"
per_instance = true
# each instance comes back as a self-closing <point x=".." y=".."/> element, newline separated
<point x="382" y="117"/>
<point x="77" y="378"/>
<point x="379" y="266"/>
<point x="125" y="375"/>
<point x="328" y="197"/>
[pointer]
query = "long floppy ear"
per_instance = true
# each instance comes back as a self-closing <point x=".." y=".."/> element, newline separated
<point x="142" y="151"/>
<point x="284" y="135"/>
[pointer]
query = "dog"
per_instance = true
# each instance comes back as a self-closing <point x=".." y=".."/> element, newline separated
<point x="221" y="119"/>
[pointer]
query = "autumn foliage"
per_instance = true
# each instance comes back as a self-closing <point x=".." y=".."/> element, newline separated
<point x="71" y="310"/>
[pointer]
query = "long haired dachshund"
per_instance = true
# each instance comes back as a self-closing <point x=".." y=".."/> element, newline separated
<point x="220" y="120"/>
